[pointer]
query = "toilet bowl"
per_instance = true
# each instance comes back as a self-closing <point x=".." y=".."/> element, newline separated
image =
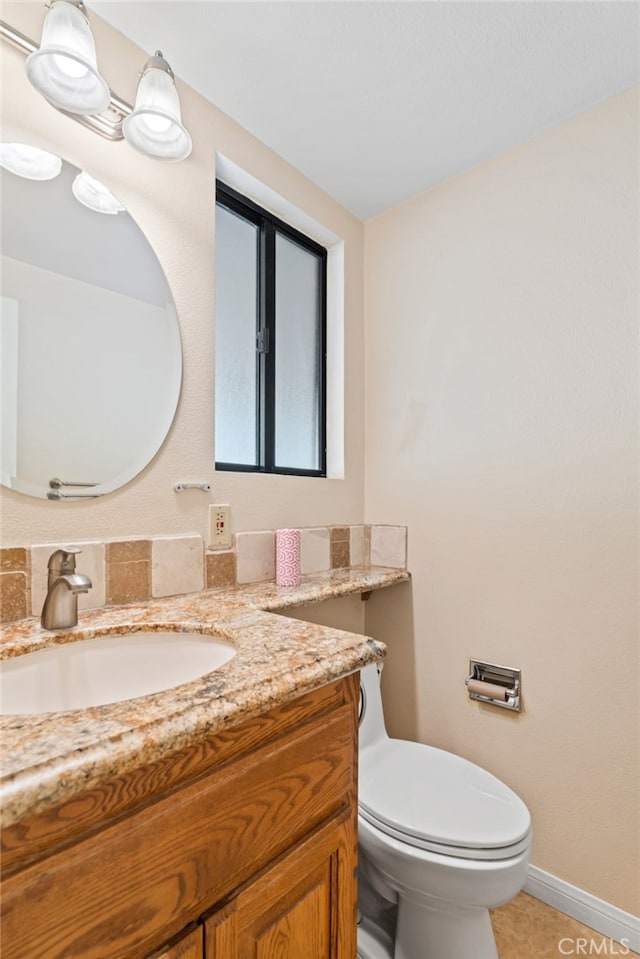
<point x="440" y="839"/>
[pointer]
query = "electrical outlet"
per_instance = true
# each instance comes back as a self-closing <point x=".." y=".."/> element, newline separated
<point x="219" y="526"/>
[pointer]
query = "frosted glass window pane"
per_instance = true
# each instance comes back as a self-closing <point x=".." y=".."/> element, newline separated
<point x="236" y="326"/>
<point x="298" y="359"/>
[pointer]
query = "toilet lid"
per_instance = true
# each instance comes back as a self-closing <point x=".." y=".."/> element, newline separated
<point x="433" y="799"/>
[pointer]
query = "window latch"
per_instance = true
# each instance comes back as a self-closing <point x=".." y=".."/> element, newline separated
<point x="262" y="341"/>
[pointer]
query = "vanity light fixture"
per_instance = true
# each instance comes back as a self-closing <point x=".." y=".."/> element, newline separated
<point x="29" y="162"/>
<point x="94" y="195"/>
<point x="64" y="70"/>
<point x="155" y="126"/>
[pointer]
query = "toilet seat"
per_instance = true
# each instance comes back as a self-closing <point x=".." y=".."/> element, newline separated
<point x="434" y="800"/>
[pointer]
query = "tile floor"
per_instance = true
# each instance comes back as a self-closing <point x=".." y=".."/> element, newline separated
<point x="528" y="929"/>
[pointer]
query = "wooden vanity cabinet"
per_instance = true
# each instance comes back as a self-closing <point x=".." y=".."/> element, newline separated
<point x="249" y="848"/>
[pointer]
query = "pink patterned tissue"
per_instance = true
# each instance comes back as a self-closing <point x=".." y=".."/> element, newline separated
<point x="288" y="557"/>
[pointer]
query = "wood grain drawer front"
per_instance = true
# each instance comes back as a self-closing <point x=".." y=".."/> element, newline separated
<point x="125" y="890"/>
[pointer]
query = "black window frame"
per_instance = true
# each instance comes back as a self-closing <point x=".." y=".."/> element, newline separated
<point x="266" y="333"/>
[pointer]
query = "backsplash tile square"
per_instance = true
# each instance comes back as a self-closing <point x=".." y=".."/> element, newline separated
<point x="389" y="546"/>
<point x="177" y="565"/>
<point x="340" y="557"/>
<point x="315" y="549"/>
<point x="91" y="561"/>
<point x="220" y="569"/>
<point x="12" y="560"/>
<point x="14" y="596"/>
<point x="256" y="556"/>
<point x="358" y="555"/>
<point x="128" y="572"/>
<point x="15" y="584"/>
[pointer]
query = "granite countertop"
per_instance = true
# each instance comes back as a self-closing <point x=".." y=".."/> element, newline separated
<point x="49" y="758"/>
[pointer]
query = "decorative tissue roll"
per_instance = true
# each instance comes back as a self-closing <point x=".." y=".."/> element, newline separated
<point x="288" y="557"/>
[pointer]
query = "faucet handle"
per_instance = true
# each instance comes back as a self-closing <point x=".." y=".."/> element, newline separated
<point x="63" y="561"/>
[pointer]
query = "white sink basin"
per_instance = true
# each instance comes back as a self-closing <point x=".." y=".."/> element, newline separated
<point x="107" y="669"/>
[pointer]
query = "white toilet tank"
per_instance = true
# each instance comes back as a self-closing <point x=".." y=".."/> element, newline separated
<point x="372" y="727"/>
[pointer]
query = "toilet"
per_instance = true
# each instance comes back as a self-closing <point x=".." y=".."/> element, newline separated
<point x="441" y="841"/>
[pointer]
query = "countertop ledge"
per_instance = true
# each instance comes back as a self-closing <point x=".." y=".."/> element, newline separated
<point x="50" y="758"/>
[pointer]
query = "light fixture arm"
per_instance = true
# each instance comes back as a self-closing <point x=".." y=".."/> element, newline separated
<point x="16" y="38"/>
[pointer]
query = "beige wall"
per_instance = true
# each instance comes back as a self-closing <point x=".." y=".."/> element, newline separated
<point x="502" y="418"/>
<point x="174" y="205"/>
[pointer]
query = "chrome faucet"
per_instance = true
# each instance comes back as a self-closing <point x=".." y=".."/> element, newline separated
<point x="60" y="610"/>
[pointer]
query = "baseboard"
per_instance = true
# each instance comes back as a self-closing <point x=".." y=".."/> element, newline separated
<point x="608" y="920"/>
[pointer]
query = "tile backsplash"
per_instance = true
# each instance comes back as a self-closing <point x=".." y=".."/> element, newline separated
<point x="133" y="570"/>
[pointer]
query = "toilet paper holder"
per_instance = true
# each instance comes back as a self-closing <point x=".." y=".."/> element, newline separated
<point x="497" y="685"/>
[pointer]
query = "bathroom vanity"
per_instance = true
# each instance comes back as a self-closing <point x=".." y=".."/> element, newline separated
<point x="216" y="819"/>
<point x="247" y="836"/>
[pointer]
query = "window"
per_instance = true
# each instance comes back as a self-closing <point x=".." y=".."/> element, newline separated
<point x="270" y="342"/>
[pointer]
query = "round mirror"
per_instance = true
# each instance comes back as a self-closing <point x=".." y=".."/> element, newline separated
<point x="91" y="361"/>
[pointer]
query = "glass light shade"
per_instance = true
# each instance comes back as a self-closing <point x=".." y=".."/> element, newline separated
<point x="29" y="162"/>
<point x="64" y="69"/>
<point x="155" y="126"/>
<point x="93" y="194"/>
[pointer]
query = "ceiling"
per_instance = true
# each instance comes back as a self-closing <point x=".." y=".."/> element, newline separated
<point x="378" y="100"/>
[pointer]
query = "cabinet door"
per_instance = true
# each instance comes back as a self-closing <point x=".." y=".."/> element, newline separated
<point x="302" y="907"/>
<point x="189" y="946"/>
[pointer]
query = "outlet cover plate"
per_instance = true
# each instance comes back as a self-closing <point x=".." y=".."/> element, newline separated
<point x="219" y="526"/>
